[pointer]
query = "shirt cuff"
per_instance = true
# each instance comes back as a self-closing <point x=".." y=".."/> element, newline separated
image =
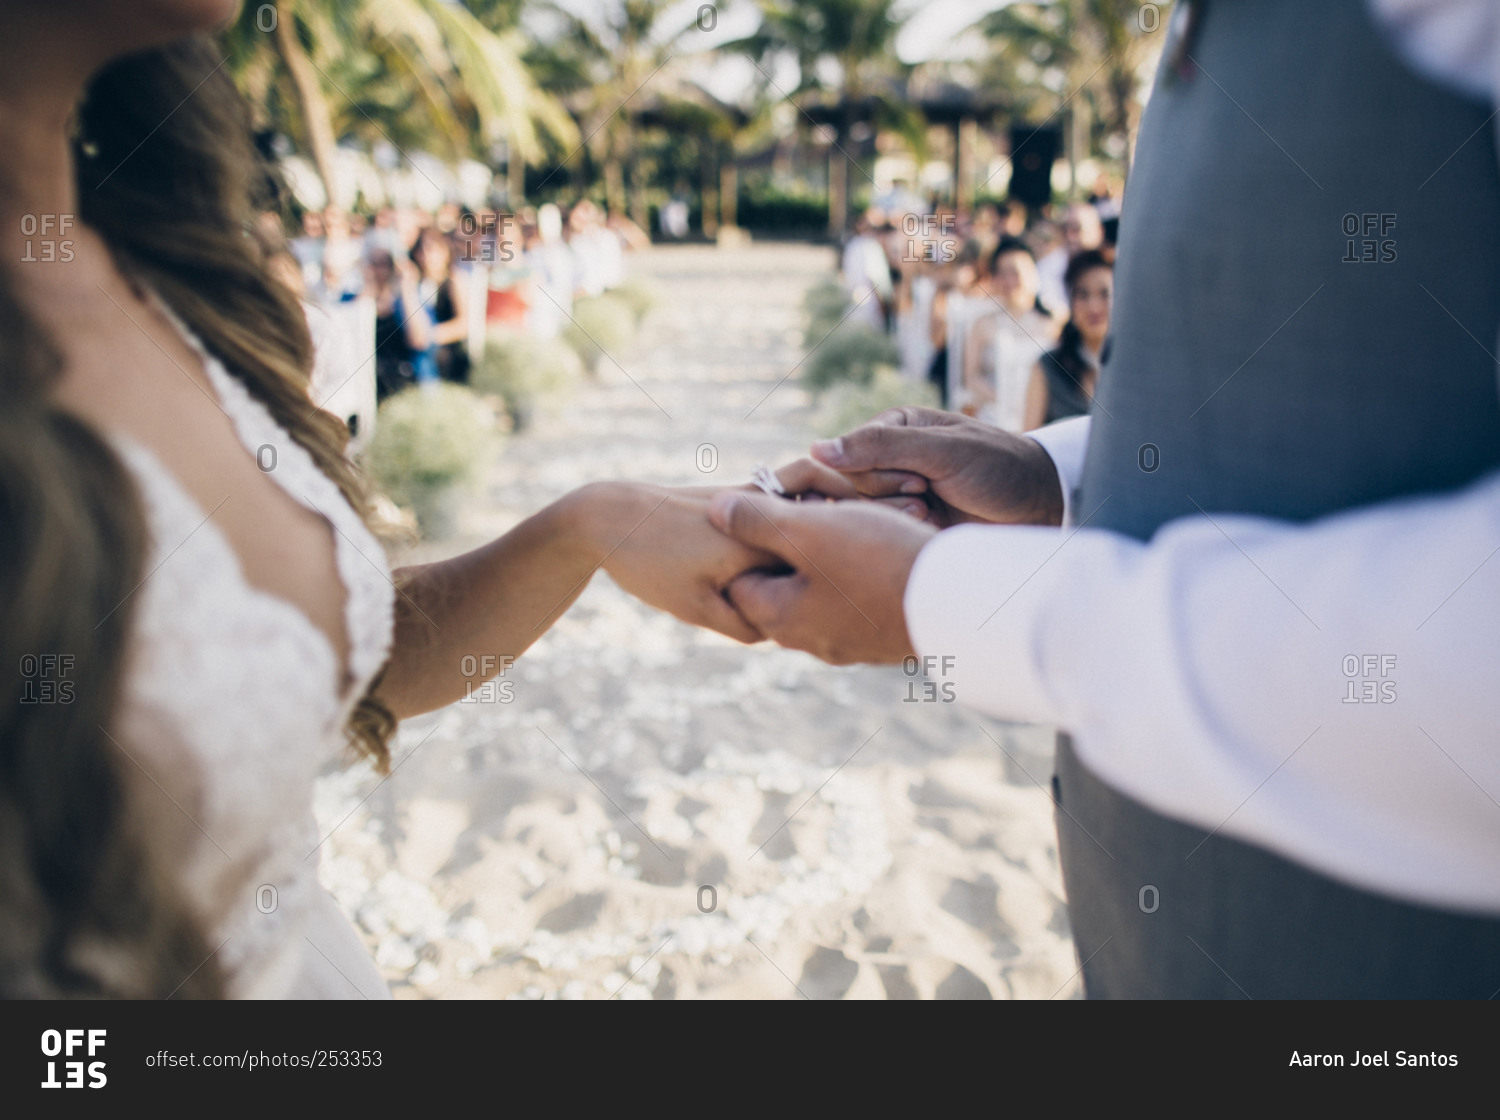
<point x="975" y="606"/>
<point x="1066" y="442"/>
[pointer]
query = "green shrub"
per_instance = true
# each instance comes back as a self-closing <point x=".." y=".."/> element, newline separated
<point x="854" y="352"/>
<point x="841" y="349"/>
<point x="639" y="294"/>
<point x="601" y="325"/>
<point x="428" y="440"/>
<point x="851" y="404"/>
<point x="524" y="370"/>
<point x="825" y="306"/>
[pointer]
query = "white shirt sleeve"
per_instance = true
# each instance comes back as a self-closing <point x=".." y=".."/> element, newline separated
<point x="1066" y="442"/>
<point x="1456" y="42"/>
<point x="1329" y="690"/>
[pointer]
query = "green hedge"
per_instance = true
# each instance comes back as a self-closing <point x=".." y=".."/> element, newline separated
<point x="429" y="440"/>
<point x="523" y="371"/>
<point x="768" y="210"/>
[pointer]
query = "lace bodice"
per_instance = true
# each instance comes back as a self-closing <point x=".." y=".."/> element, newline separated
<point x="233" y="703"/>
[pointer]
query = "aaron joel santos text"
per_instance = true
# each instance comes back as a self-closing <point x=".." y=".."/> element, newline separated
<point x="1370" y="1058"/>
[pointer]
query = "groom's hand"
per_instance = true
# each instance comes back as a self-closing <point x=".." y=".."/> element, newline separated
<point x="939" y="466"/>
<point x="842" y="598"/>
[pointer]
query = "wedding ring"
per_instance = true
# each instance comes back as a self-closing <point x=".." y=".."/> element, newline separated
<point x="764" y="477"/>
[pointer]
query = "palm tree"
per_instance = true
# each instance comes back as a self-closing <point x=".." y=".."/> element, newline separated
<point x="1092" y="54"/>
<point x="414" y="70"/>
<point x="848" y="73"/>
<point x="615" y="68"/>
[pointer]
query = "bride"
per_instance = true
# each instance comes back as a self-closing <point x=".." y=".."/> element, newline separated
<point x="185" y="546"/>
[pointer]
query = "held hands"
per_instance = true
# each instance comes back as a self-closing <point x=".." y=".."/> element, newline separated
<point x="656" y="542"/>
<point x="842" y="598"/>
<point x="940" y="467"/>
<point x="825" y="577"/>
<point x="837" y="592"/>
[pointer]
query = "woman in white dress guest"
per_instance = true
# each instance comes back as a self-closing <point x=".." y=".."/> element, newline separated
<point x="195" y="617"/>
<point x="1005" y="344"/>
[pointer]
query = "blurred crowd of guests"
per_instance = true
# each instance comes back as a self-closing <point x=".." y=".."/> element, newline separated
<point x="1006" y="312"/>
<point x="406" y="297"/>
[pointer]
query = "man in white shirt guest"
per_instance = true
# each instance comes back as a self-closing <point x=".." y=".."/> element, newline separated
<point x="866" y="272"/>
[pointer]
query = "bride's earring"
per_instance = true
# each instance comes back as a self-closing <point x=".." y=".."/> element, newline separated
<point x="84" y="143"/>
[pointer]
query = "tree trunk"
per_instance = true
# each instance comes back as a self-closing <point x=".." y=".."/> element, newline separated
<point x="709" y="195"/>
<point x="1125" y="111"/>
<point x="515" y="177"/>
<point x="614" y="185"/>
<point x="965" y="142"/>
<point x="1078" y="146"/>
<point x="781" y="159"/>
<point x="316" y="120"/>
<point x="729" y="193"/>
<point x="640" y="205"/>
<point x="838" y="191"/>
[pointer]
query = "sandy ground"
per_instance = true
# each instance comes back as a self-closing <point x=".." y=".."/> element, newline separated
<point x="645" y="811"/>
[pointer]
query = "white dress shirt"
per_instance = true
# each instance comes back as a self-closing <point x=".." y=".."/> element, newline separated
<point x="1327" y="690"/>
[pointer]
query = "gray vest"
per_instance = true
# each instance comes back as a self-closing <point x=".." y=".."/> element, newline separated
<point x="1263" y="362"/>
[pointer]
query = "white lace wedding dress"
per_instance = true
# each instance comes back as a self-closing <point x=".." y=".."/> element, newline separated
<point x="233" y="704"/>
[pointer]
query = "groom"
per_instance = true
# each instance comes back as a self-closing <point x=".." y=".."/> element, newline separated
<point x="1270" y="623"/>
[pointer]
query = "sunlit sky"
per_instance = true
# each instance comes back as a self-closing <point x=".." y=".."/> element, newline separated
<point x="933" y="29"/>
<point x="934" y="26"/>
<point x="931" y="25"/>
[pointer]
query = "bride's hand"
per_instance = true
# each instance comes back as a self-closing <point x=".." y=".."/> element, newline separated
<point x="657" y="543"/>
